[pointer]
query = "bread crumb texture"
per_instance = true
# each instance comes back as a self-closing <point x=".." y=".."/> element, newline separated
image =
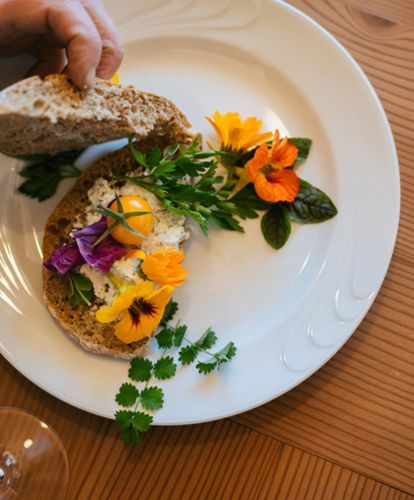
<point x="51" y="115"/>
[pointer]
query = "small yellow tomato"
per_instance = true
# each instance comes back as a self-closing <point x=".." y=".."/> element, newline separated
<point x="141" y="223"/>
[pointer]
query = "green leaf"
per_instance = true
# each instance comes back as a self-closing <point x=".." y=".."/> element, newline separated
<point x="227" y="353"/>
<point x="165" y="338"/>
<point x="170" y="151"/>
<point x="165" y="167"/>
<point x="171" y="336"/>
<point x="83" y="283"/>
<point x="179" y="333"/>
<point x="139" y="157"/>
<point x="247" y="198"/>
<point x="130" y="436"/>
<point x="311" y="205"/>
<point x="80" y="289"/>
<point x="127" y="395"/>
<point x="188" y="354"/>
<point x="140" y="370"/>
<point x="132" y="423"/>
<point x="141" y="421"/>
<point x="43" y="188"/>
<point x="152" y="398"/>
<point x="154" y="157"/>
<point x="169" y="312"/>
<point x="303" y="145"/>
<point x="124" y="418"/>
<point x="223" y="356"/>
<point x="225" y="221"/>
<point x="194" y="147"/>
<point x="207" y="340"/>
<point x="276" y="227"/>
<point x="165" y="368"/>
<point x="206" y="367"/>
<point x="44" y="173"/>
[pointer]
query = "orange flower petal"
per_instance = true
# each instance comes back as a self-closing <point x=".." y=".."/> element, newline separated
<point x="164" y="267"/>
<point x="282" y="185"/>
<point x="284" y="154"/>
<point x="256" y="163"/>
<point x="287" y="157"/>
<point x="135" y="254"/>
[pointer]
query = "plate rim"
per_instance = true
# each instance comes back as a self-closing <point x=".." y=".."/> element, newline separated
<point x="307" y="373"/>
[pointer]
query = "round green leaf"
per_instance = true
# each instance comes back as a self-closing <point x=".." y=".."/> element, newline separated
<point x="276" y="227"/>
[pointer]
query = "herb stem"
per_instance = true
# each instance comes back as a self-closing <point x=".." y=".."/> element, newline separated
<point x="200" y="349"/>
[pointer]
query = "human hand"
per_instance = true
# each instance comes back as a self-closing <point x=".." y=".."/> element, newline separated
<point x="78" y="35"/>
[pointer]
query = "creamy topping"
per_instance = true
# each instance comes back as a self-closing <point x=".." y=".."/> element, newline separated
<point x="102" y="286"/>
<point x="168" y="232"/>
<point x="126" y="269"/>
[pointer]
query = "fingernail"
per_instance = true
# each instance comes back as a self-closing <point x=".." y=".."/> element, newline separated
<point x="90" y="79"/>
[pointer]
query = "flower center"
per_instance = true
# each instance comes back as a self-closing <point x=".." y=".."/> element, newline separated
<point x="269" y="172"/>
<point x="141" y="306"/>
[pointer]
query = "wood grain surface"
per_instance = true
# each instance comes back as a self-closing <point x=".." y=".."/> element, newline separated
<point x="348" y="431"/>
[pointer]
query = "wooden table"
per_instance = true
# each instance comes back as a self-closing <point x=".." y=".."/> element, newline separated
<point x="347" y="432"/>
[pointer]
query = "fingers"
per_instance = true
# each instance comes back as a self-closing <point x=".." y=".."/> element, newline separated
<point x="73" y="27"/>
<point x="49" y="60"/>
<point x="112" y="52"/>
<point x="81" y="27"/>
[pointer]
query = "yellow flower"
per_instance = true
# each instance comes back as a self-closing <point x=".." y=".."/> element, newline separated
<point x="138" y="310"/>
<point x="115" y="78"/>
<point x="163" y="267"/>
<point x="238" y="136"/>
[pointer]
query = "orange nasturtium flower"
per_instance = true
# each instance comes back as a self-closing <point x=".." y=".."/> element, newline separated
<point x="236" y="135"/>
<point x="138" y="310"/>
<point x="267" y="170"/>
<point x="163" y="267"/>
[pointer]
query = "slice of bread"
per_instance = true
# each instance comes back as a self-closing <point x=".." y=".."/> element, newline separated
<point x="79" y="321"/>
<point x="51" y="115"/>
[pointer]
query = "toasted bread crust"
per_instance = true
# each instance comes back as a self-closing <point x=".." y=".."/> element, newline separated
<point x="51" y="115"/>
<point x="79" y="321"/>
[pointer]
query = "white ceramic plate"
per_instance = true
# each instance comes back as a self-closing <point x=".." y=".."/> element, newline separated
<point x="287" y="311"/>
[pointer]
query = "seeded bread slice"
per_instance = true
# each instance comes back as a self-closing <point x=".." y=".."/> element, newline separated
<point x="51" y="115"/>
<point x="79" y="321"/>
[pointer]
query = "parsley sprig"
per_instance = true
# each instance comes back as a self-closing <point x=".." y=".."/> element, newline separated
<point x="133" y="422"/>
<point x="186" y="182"/>
<point x="44" y="173"/>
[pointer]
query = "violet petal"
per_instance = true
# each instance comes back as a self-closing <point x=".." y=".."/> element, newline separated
<point x="106" y="253"/>
<point x="64" y="259"/>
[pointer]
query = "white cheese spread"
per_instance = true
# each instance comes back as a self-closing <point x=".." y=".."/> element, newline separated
<point x="168" y="232"/>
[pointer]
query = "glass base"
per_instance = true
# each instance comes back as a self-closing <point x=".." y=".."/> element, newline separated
<point x="33" y="461"/>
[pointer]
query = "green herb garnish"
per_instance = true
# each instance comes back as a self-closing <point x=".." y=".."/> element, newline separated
<point x="44" y="173"/>
<point x="200" y="199"/>
<point x="186" y="182"/>
<point x="80" y="289"/>
<point x="150" y="397"/>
